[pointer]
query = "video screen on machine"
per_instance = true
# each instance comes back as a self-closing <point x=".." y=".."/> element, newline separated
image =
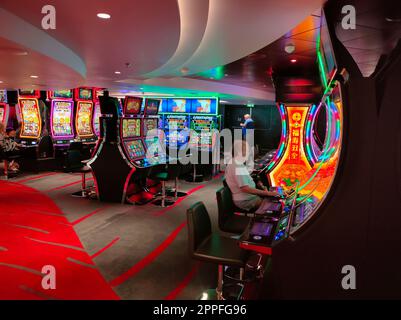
<point x="134" y="149"/>
<point x="132" y="105"/>
<point x="62" y="118"/>
<point x="204" y="106"/>
<point x="3" y="96"/>
<point x="96" y="119"/>
<point x="62" y="94"/>
<point x="31" y="122"/>
<point x="131" y="128"/>
<point x="203" y="123"/>
<point x="154" y="147"/>
<point x="2" y="112"/>
<point x="29" y="93"/>
<point x="84" y="119"/>
<point x="150" y="126"/>
<point x="152" y="107"/>
<point x="177" y="138"/>
<point x="178" y="105"/>
<point x="175" y="122"/>
<point x="85" y="94"/>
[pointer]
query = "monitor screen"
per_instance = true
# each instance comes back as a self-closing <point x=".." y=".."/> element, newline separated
<point x="85" y="94"/>
<point x="3" y="113"/>
<point x="29" y="93"/>
<point x="83" y="121"/>
<point x="262" y="229"/>
<point x="179" y="105"/>
<point x="3" y="96"/>
<point x="204" y="106"/>
<point x="203" y="123"/>
<point x="132" y="105"/>
<point x="65" y="94"/>
<point x="153" y="147"/>
<point x="62" y="118"/>
<point x="131" y="128"/>
<point x="96" y="119"/>
<point x="152" y="107"/>
<point x="329" y="64"/>
<point x="150" y="126"/>
<point x="175" y="122"/>
<point x="134" y="149"/>
<point x="31" y="119"/>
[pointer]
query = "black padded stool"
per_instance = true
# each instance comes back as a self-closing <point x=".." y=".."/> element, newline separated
<point x="83" y="193"/>
<point x="212" y="247"/>
<point x="228" y="220"/>
<point x="163" y="177"/>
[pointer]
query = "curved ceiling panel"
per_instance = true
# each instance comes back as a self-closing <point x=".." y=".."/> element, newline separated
<point x="143" y="33"/>
<point x="235" y="30"/>
<point x="19" y="31"/>
<point x="194" y="17"/>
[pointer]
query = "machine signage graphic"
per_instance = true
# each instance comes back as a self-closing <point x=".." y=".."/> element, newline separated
<point x="62" y="118"/>
<point x="31" y="122"/>
<point x="83" y="119"/>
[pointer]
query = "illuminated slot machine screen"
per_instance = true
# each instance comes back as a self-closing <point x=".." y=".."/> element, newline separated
<point x="3" y="110"/>
<point x="152" y="107"/>
<point x="29" y="93"/>
<point x="31" y="119"/>
<point x="204" y="106"/>
<point x="203" y="126"/>
<point x="155" y="152"/>
<point x="178" y="105"/>
<point x="83" y="121"/>
<point x="62" y="94"/>
<point x="150" y="126"/>
<point x="62" y="119"/>
<point x="85" y="94"/>
<point x="3" y="96"/>
<point x="96" y="119"/>
<point x="134" y="149"/>
<point x="176" y="122"/>
<point x="132" y="105"/>
<point x="131" y="128"/>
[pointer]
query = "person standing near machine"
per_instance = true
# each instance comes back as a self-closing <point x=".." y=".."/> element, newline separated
<point x="248" y="124"/>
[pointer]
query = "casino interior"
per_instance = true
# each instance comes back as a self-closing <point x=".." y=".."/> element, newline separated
<point x="113" y="150"/>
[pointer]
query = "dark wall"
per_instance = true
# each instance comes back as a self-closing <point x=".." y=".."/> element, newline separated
<point x="267" y="123"/>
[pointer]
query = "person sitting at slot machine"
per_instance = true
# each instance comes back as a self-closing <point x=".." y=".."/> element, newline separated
<point x="9" y="146"/>
<point x="245" y="194"/>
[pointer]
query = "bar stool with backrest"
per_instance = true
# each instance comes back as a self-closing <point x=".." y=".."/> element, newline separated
<point x="204" y="245"/>
<point x="228" y="220"/>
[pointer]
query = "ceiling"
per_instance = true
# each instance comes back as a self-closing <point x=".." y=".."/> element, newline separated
<point x="378" y="28"/>
<point x="160" y="46"/>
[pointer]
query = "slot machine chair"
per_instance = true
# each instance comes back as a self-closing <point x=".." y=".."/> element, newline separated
<point x="235" y="208"/>
<point x="41" y="157"/>
<point x="228" y="220"/>
<point x="204" y="245"/>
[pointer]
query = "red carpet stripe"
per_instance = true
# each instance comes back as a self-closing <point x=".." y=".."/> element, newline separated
<point x="149" y="258"/>
<point x="87" y="216"/>
<point x="179" y="200"/>
<point x="37" y="177"/>
<point x="105" y="248"/>
<point x="67" y="185"/>
<point x="173" y="294"/>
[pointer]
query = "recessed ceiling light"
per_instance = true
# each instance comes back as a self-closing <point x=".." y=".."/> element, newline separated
<point x="293" y="60"/>
<point x="1" y="81"/>
<point x="117" y="72"/>
<point x="289" y="48"/>
<point x="393" y="19"/>
<point x="103" y="16"/>
<point x="34" y="77"/>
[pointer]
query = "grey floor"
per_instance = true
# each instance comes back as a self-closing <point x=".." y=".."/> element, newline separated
<point x="136" y="262"/>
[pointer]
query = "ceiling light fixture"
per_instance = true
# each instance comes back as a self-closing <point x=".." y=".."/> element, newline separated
<point x="393" y="19"/>
<point x="34" y="77"/>
<point x="289" y="48"/>
<point x="1" y="81"/>
<point x="117" y="72"/>
<point x="293" y="60"/>
<point x="103" y="16"/>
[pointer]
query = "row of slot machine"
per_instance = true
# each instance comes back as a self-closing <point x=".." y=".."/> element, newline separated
<point x="73" y="115"/>
<point x="180" y="116"/>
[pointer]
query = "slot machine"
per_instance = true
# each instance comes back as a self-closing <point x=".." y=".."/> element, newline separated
<point x="96" y="113"/>
<point x="31" y="116"/>
<point x="84" y="114"/>
<point x="133" y="154"/>
<point x="4" y="108"/>
<point x="61" y="117"/>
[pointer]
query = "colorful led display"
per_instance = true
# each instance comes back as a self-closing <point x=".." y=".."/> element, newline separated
<point x="31" y="119"/>
<point x="83" y="119"/>
<point x="62" y="119"/>
<point x="131" y="128"/>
